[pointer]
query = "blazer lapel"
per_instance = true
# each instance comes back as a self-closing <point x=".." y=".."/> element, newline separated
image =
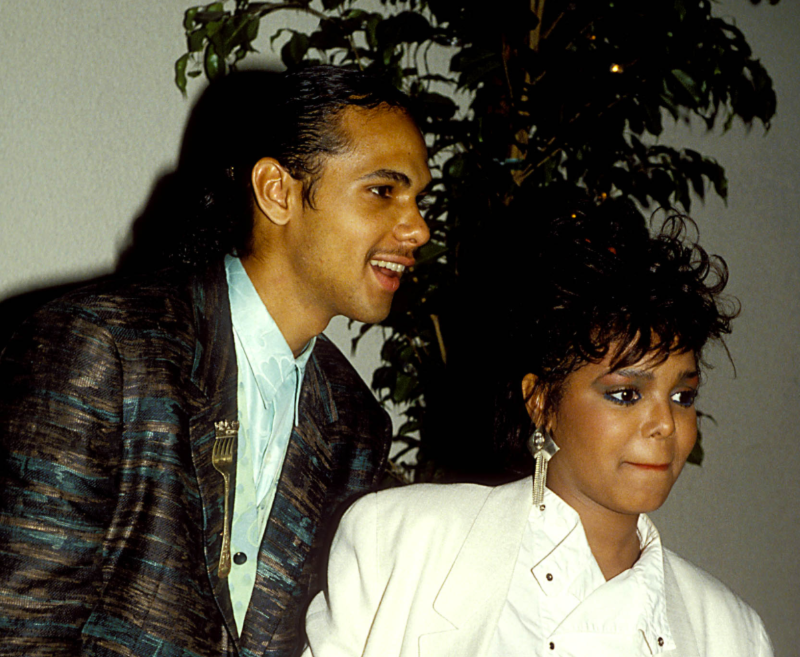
<point x="214" y="373"/>
<point x="284" y="567"/>
<point x="475" y="590"/>
<point x="679" y="620"/>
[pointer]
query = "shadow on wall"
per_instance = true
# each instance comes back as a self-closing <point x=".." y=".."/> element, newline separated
<point x="218" y="134"/>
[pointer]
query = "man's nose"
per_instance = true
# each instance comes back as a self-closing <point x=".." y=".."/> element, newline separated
<point x="413" y="229"/>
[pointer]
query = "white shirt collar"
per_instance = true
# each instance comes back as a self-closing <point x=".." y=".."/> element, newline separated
<point x="267" y="352"/>
<point x="561" y="558"/>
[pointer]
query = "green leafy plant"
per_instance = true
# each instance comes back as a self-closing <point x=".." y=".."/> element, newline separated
<point x="555" y="93"/>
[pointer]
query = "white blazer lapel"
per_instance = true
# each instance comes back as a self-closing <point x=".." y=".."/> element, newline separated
<point x="475" y="590"/>
<point x="678" y="616"/>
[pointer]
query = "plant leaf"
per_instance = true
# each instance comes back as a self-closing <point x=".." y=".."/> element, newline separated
<point x="295" y="49"/>
<point x="180" y="72"/>
<point x="214" y="65"/>
<point x="188" y="18"/>
<point x="197" y="40"/>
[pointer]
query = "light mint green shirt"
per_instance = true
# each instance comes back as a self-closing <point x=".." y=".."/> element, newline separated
<point x="269" y="383"/>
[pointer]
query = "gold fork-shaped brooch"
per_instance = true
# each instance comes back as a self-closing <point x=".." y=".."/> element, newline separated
<point x="222" y="460"/>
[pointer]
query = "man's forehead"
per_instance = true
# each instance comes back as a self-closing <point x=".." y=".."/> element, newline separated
<point x="354" y="117"/>
<point x="389" y="136"/>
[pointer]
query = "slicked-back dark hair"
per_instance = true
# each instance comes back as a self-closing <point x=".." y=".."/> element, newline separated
<point x="307" y="115"/>
<point x="293" y="117"/>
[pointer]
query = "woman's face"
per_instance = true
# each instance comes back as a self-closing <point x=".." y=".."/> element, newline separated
<point x="624" y="435"/>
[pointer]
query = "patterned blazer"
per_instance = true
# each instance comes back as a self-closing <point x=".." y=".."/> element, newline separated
<point x="111" y="514"/>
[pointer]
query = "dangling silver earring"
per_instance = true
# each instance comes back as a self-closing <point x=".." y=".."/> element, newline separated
<point x="542" y="448"/>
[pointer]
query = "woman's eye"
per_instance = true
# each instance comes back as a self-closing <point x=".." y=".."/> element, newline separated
<point x="625" y="396"/>
<point x="685" y="397"/>
<point x="384" y="191"/>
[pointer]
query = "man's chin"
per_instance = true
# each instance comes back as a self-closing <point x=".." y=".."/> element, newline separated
<point x="373" y="315"/>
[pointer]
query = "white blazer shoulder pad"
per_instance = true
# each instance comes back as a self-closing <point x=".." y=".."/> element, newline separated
<point x="724" y="624"/>
<point x="425" y="510"/>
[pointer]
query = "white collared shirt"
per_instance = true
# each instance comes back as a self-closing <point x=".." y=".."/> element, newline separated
<point x="560" y="604"/>
<point x="269" y="383"/>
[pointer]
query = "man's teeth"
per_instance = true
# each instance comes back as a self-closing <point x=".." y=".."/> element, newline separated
<point x="384" y="264"/>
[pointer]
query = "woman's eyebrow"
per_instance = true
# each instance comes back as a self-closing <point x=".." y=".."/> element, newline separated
<point x="635" y="374"/>
<point x="649" y="375"/>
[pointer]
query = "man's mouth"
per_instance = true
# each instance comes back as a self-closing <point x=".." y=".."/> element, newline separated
<point x="388" y="273"/>
<point x="391" y="266"/>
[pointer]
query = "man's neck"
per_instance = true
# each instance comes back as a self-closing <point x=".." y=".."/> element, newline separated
<point x="296" y="322"/>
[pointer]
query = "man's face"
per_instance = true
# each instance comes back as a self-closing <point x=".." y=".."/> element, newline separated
<point x="349" y="251"/>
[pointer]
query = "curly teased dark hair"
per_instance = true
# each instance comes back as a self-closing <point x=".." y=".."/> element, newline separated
<point x="599" y="284"/>
<point x="204" y="210"/>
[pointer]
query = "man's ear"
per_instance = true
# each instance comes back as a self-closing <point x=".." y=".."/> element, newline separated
<point x="534" y="395"/>
<point x="276" y="192"/>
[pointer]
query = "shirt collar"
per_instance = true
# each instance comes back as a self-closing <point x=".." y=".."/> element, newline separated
<point x="649" y="572"/>
<point x="268" y="355"/>
<point x="559" y="550"/>
<point x="562" y="558"/>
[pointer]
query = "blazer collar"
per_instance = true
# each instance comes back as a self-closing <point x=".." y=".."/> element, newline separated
<point x="215" y="355"/>
<point x="214" y="374"/>
<point x="319" y="397"/>
<point x="679" y="620"/>
<point x="475" y="590"/>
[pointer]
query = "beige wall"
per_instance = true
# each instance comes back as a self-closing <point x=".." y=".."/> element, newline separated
<point x="91" y="119"/>
<point x="739" y="515"/>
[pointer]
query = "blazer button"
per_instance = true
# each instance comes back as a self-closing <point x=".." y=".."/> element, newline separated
<point x="239" y="558"/>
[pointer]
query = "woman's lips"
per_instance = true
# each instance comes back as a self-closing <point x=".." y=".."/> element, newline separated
<point x="650" y="466"/>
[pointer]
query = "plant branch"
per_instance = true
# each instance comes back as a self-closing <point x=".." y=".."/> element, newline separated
<point x="439" y="337"/>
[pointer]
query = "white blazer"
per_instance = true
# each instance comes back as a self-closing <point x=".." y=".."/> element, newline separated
<point x="424" y="571"/>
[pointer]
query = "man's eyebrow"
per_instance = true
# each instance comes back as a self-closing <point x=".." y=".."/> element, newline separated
<point x="388" y="174"/>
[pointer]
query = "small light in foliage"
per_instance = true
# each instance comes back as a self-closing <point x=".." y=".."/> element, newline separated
<point x="615" y="68"/>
